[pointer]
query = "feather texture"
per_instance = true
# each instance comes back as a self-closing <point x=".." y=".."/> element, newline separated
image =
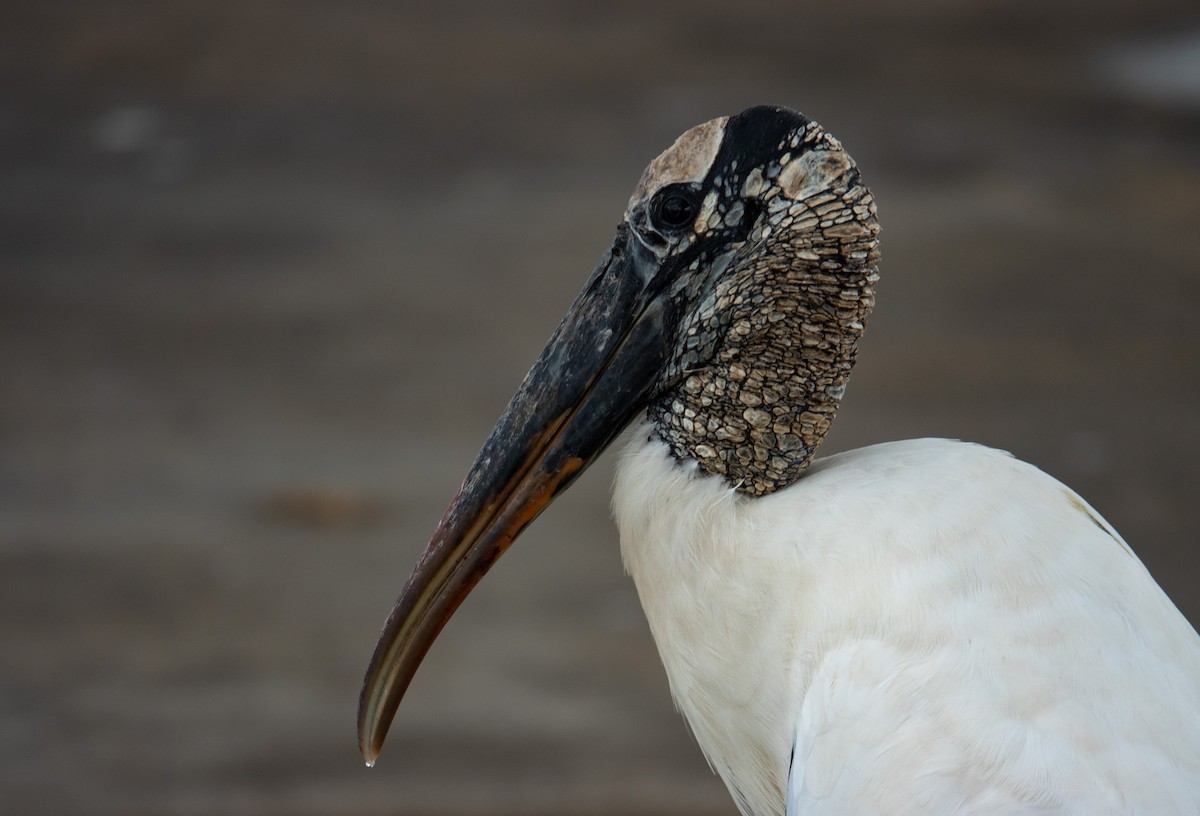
<point x="920" y="627"/>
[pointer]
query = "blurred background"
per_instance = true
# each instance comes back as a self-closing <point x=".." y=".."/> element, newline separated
<point x="270" y="270"/>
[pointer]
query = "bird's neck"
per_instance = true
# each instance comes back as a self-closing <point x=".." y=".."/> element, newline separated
<point x="756" y="413"/>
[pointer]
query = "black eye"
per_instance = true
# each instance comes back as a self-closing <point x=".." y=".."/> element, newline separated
<point x="674" y="209"/>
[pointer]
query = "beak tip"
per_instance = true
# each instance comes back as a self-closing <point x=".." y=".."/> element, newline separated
<point x="369" y="752"/>
<point x="375" y="706"/>
<point x="370" y="740"/>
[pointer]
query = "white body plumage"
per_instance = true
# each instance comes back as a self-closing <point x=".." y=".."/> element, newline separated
<point x="913" y="628"/>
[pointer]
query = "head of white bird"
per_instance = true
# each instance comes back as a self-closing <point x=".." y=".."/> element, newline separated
<point x="728" y="309"/>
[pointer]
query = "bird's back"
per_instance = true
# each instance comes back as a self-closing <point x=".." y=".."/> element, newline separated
<point x="923" y="627"/>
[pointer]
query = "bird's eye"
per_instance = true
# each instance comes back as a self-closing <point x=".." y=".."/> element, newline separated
<point x="674" y="209"/>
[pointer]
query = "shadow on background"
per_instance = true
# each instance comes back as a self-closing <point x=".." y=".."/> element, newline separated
<point x="269" y="271"/>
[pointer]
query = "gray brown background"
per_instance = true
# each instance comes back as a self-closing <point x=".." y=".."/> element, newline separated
<point x="268" y="271"/>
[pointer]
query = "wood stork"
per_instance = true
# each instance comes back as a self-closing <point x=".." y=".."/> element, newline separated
<point x="921" y="627"/>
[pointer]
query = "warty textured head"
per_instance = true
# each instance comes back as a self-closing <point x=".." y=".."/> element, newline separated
<point x="772" y="242"/>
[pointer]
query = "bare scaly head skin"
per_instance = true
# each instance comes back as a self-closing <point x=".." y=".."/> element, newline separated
<point x="780" y="266"/>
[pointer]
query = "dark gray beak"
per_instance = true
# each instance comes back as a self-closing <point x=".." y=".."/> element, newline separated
<point x="597" y="372"/>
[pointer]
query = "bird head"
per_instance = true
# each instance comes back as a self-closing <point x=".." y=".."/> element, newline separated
<point x="727" y="309"/>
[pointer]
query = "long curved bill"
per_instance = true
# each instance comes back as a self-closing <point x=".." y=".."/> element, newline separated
<point x="596" y="372"/>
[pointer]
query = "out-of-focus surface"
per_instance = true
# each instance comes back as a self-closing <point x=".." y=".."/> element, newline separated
<point x="268" y="272"/>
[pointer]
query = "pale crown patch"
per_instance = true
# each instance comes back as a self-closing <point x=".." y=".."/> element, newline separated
<point x="686" y="161"/>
